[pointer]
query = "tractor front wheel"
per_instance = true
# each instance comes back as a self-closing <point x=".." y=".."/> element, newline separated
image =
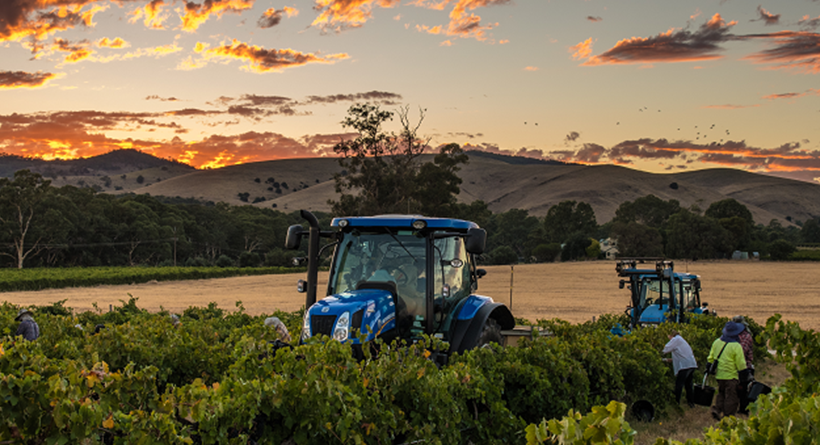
<point x="490" y="333"/>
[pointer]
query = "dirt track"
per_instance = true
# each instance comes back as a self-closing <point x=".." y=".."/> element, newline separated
<point x="571" y="291"/>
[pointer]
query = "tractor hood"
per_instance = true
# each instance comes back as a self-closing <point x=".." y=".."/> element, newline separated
<point x="345" y="316"/>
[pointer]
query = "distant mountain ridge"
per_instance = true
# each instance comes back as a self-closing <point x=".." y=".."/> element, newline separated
<point x="111" y="163"/>
<point x="503" y="182"/>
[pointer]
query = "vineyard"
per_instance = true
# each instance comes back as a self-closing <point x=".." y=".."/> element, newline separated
<point x="213" y="376"/>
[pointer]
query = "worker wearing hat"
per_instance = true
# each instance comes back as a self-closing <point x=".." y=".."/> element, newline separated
<point x="28" y="327"/>
<point x="729" y="354"/>
<point x="745" y="376"/>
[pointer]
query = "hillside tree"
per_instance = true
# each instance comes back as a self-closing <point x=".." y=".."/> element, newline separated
<point x="566" y="219"/>
<point x="382" y="172"/>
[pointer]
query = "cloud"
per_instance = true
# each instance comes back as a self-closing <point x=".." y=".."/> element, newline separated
<point x="581" y="50"/>
<point x="338" y="15"/>
<point x="808" y="23"/>
<point x="21" y="19"/>
<point x="69" y="135"/>
<point x="789" y="157"/>
<point x="729" y="106"/>
<point x="270" y="18"/>
<point x="115" y="43"/>
<point x="262" y="60"/>
<point x="766" y="16"/>
<point x="76" y="52"/>
<point x="152" y="15"/>
<point x="197" y="14"/>
<point x="795" y="50"/>
<point x="572" y="136"/>
<point x="670" y="46"/>
<point x="163" y="99"/>
<point x="809" y="92"/>
<point x="381" y="97"/>
<point x="20" y="79"/>
<point x="594" y="19"/>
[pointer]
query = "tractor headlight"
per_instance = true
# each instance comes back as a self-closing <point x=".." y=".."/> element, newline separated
<point x="342" y="331"/>
<point x="306" y="326"/>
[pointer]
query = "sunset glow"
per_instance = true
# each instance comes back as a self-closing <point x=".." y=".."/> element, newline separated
<point x="213" y="83"/>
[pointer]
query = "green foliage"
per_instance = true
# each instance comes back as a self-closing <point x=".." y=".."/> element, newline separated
<point x="567" y="218"/>
<point x="780" y="250"/>
<point x="604" y="425"/>
<point x="382" y="173"/>
<point x="805" y="255"/>
<point x="503" y="255"/>
<point x="12" y="280"/>
<point x="546" y="253"/>
<point x="649" y="211"/>
<point x="637" y="240"/>
<point x="729" y="208"/>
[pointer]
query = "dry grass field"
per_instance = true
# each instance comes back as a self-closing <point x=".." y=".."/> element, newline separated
<point x="575" y="292"/>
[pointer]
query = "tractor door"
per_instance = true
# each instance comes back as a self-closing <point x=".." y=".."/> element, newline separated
<point x="452" y="268"/>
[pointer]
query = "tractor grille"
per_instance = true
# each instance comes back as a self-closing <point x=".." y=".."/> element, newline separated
<point x="322" y="324"/>
<point x="356" y="321"/>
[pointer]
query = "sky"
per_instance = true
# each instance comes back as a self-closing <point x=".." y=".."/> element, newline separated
<point x="663" y="86"/>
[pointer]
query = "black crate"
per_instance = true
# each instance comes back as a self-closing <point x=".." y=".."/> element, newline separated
<point x="756" y="389"/>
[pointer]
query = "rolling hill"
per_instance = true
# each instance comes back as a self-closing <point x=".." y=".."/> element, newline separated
<point x="503" y="182"/>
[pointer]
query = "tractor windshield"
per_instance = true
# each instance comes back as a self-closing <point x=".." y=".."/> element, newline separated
<point x="653" y="294"/>
<point x="396" y="257"/>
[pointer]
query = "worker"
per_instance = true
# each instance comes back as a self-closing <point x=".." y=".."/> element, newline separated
<point x="28" y="328"/>
<point x="279" y="327"/>
<point x="746" y="376"/>
<point x="683" y="364"/>
<point x="729" y="355"/>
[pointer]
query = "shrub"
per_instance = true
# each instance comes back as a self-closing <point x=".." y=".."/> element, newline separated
<point x="224" y="261"/>
<point x="546" y="252"/>
<point x="503" y="255"/>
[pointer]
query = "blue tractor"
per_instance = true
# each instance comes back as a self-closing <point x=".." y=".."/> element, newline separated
<point x="659" y="294"/>
<point x="399" y="277"/>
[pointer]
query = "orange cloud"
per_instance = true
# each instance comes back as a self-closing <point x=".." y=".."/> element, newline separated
<point x="338" y="15"/>
<point x="531" y="68"/>
<point x="197" y="14"/>
<point x="116" y="43"/>
<point x="272" y="17"/>
<point x="670" y="46"/>
<point x="77" y="52"/>
<point x="263" y="60"/>
<point x="32" y="19"/>
<point x="152" y="15"/>
<point x="582" y="50"/>
<point x="20" y="79"/>
<point x="795" y="50"/>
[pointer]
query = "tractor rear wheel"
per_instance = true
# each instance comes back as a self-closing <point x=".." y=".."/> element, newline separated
<point x="490" y="333"/>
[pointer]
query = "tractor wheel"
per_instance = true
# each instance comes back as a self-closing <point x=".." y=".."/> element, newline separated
<point x="490" y="333"/>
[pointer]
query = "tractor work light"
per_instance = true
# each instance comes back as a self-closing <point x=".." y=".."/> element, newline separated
<point x="419" y="224"/>
<point x="343" y="223"/>
<point x="342" y="331"/>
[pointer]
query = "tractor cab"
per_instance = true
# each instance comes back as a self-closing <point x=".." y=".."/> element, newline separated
<point x="399" y="276"/>
<point x="659" y="294"/>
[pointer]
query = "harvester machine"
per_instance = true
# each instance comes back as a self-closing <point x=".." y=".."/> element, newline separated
<point x="659" y="294"/>
<point x="399" y="277"/>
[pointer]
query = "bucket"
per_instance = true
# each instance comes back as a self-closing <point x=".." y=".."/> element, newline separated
<point x="757" y="389"/>
<point x="643" y="411"/>
<point x="704" y="394"/>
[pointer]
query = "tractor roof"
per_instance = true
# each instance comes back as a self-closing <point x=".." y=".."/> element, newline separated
<point x="403" y="222"/>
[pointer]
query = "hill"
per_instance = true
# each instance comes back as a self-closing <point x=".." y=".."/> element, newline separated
<point x="503" y="182"/>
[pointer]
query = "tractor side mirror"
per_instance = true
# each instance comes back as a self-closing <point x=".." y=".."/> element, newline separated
<point x="621" y="284"/>
<point x="301" y="286"/>
<point x="476" y="240"/>
<point x="480" y="273"/>
<point x="294" y="237"/>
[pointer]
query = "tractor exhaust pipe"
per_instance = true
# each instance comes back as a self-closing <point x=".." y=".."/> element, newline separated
<point x="313" y="257"/>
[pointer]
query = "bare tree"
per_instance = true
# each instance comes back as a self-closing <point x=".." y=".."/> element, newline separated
<point x="21" y="201"/>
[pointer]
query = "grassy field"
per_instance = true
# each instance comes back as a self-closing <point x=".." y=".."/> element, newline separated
<point x="575" y="292"/>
